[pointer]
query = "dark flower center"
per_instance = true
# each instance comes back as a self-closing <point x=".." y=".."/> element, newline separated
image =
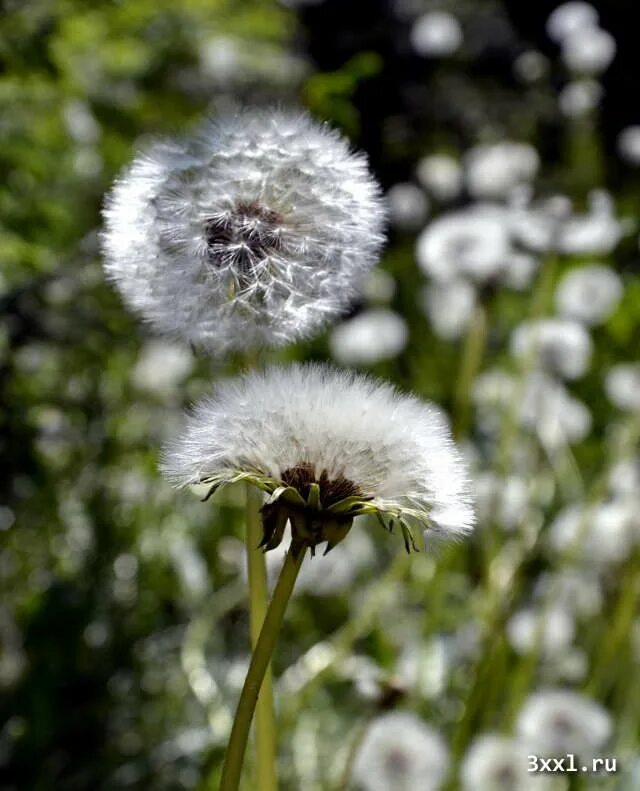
<point x="332" y="490"/>
<point x="244" y="236"/>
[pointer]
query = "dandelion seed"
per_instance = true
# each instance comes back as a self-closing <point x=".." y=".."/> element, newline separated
<point x="256" y="231"/>
<point x="555" y="722"/>
<point x="400" y="753"/>
<point x="326" y="446"/>
<point x="589" y="294"/>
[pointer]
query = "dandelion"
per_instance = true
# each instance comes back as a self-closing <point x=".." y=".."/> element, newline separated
<point x="595" y="233"/>
<point x="408" y="206"/>
<point x="589" y="294"/>
<point x="557" y="721"/>
<point x="497" y="763"/>
<point x="530" y="66"/>
<point x="255" y="231"/>
<point x="503" y="500"/>
<point x="325" y="446"/>
<point x="436" y="34"/>
<point x="589" y="50"/>
<point x="449" y="307"/>
<point x="560" y="346"/>
<point x="622" y="385"/>
<point x="629" y="144"/>
<point x="492" y="171"/>
<point x="374" y="335"/>
<point x="552" y="630"/>
<point x="470" y="243"/>
<point x="600" y="534"/>
<point x="400" y="753"/>
<point x="571" y="18"/>
<point x="441" y="176"/>
<point x="579" y="98"/>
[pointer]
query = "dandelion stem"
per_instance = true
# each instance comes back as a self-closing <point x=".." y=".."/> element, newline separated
<point x="259" y="662"/>
<point x="265" y="730"/>
<point x="472" y="354"/>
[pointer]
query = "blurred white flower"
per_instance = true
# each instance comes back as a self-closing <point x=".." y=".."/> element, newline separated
<point x="449" y="307"/>
<point x="469" y="243"/>
<point x="493" y="170"/>
<point x="80" y="122"/>
<point x="373" y="335"/>
<point x="580" y="97"/>
<point x="497" y="763"/>
<point x="501" y="500"/>
<point x="555" y="722"/>
<point x="622" y="385"/>
<point x="589" y="294"/>
<point x="624" y="478"/>
<point x="550" y="631"/>
<point x="520" y="272"/>
<point x="589" y="51"/>
<point x="441" y="176"/>
<point x="571" y="18"/>
<point x="408" y="206"/>
<point x="162" y="367"/>
<point x="574" y="589"/>
<point x="424" y="667"/>
<point x="400" y="753"/>
<point x="345" y="434"/>
<point x="436" y="34"/>
<point x="629" y="144"/>
<point x="595" y="233"/>
<point x="256" y="231"/>
<point x="530" y="66"/>
<point x="560" y="346"/>
<point x="600" y="534"/>
<point x="378" y="286"/>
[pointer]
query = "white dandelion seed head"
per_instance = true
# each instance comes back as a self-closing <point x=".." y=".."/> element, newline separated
<point x="560" y="346"/>
<point x="571" y="18"/>
<point x="530" y="66"/>
<point x="441" y="176"/>
<point x="494" y="170"/>
<point x="449" y="307"/>
<point x="622" y="386"/>
<point x="589" y="50"/>
<point x="436" y="34"/>
<point x="579" y="98"/>
<point x="504" y="500"/>
<point x="342" y="426"/>
<point x="550" y="631"/>
<point x="497" y="763"/>
<point x="558" y="721"/>
<point x="162" y="367"/>
<point x="601" y="534"/>
<point x="402" y="753"/>
<point x="595" y="233"/>
<point x="589" y="294"/>
<point x="256" y="231"/>
<point x="371" y="336"/>
<point x="467" y="243"/>
<point x="624" y="478"/>
<point x="408" y="206"/>
<point x="629" y="144"/>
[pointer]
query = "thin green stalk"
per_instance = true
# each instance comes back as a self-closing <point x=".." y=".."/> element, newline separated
<point x="265" y="729"/>
<point x="260" y="659"/>
<point x="472" y="354"/>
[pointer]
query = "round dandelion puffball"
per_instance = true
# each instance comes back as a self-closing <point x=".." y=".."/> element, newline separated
<point x="256" y="231"/>
<point x="350" y="434"/>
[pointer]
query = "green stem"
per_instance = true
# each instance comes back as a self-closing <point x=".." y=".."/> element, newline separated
<point x="265" y="730"/>
<point x="232" y="768"/>
<point x="472" y="354"/>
